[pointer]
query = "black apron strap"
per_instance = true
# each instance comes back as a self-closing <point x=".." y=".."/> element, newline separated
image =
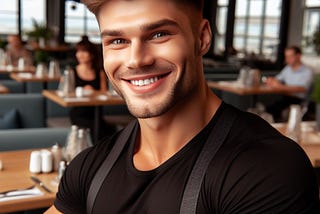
<point x="108" y="163"/>
<point x="216" y="138"/>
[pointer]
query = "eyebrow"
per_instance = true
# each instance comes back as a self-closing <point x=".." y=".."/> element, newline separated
<point x="146" y="27"/>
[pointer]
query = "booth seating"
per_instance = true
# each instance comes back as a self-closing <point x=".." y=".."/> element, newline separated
<point x="23" y="123"/>
<point x="32" y="138"/>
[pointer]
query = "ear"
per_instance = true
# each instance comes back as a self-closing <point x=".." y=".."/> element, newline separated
<point x="205" y="36"/>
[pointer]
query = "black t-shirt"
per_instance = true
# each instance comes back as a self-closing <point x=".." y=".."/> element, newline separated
<point x="257" y="170"/>
<point x="83" y="116"/>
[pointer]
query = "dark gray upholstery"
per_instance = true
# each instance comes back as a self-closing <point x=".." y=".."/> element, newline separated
<point x="29" y="106"/>
<point x="17" y="139"/>
<point x="13" y="86"/>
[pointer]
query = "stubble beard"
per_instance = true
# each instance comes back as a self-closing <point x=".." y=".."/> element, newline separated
<point x="178" y="92"/>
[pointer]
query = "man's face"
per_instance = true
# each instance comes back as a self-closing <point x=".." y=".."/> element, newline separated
<point x="14" y="41"/>
<point x="291" y="57"/>
<point x="151" y="54"/>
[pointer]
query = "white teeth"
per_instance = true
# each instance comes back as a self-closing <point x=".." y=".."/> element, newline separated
<point x="144" y="82"/>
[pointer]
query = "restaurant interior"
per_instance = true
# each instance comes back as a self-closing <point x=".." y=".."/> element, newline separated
<point x="249" y="42"/>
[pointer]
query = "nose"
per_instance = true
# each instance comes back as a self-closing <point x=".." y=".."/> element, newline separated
<point x="139" y="55"/>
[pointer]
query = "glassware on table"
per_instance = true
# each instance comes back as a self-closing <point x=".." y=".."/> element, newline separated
<point x="243" y="75"/>
<point x="70" y="148"/>
<point x="78" y="139"/>
<point x="293" y="130"/>
<point x="66" y="86"/>
<point x="84" y="139"/>
<point x="21" y="63"/>
<point x="54" y="69"/>
<point x="253" y="78"/>
<point x="41" y="70"/>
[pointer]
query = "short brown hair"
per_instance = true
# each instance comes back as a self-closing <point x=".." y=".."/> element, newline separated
<point x="295" y="49"/>
<point x="95" y="5"/>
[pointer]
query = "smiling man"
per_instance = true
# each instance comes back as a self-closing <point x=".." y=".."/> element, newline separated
<point x="152" y="53"/>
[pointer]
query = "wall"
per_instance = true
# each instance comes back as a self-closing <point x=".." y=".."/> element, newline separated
<point x="296" y="22"/>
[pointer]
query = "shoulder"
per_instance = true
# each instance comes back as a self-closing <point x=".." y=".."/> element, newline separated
<point x="75" y="182"/>
<point x="306" y="69"/>
<point x="256" y="162"/>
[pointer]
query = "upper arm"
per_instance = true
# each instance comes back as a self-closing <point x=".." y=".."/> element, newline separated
<point x="261" y="176"/>
<point x="52" y="210"/>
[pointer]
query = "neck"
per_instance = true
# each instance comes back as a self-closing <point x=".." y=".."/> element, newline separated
<point x="163" y="136"/>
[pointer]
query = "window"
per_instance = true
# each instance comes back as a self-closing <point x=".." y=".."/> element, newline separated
<point x="80" y="21"/>
<point x="29" y="13"/>
<point x="310" y="25"/>
<point x="257" y="25"/>
<point x="9" y="16"/>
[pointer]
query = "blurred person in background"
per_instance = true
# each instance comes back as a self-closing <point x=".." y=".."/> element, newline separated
<point x="89" y="75"/>
<point x="295" y="73"/>
<point x="16" y="50"/>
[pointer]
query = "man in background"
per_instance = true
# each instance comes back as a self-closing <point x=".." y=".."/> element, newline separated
<point x="295" y="73"/>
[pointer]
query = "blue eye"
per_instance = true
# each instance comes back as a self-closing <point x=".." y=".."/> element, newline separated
<point x="159" y="35"/>
<point x="118" y="41"/>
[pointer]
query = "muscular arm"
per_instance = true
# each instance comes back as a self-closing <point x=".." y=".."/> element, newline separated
<point x="52" y="210"/>
<point x="273" y="82"/>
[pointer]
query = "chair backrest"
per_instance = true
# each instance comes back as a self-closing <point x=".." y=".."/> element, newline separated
<point x="29" y="106"/>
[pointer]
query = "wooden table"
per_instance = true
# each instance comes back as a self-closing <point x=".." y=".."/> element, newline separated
<point x="238" y="89"/>
<point x="95" y="99"/>
<point x="234" y="87"/>
<point x="50" y="48"/>
<point x="16" y="175"/>
<point x="310" y="140"/>
<point x="27" y="77"/>
<point x="10" y="69"/>
<point x="3" y="89"/>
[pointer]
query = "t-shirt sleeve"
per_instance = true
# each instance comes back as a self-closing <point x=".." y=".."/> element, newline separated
<point x="68" y="198"/>
<point x="267" y="177"/>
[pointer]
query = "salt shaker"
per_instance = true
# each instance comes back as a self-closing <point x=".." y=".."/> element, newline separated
<point x="35" y="162"/>
<point x="57" y="155"/>
<point x="46" y="161"/>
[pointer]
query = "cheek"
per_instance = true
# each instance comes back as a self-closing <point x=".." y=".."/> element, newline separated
<point x="176" y="52"/>
<point x="111" y="61"/>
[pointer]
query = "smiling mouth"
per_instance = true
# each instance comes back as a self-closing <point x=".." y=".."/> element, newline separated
<point x="148" y="81"/>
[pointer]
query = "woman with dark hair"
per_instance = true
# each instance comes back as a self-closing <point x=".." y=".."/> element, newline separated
<point x="90" y="76"/>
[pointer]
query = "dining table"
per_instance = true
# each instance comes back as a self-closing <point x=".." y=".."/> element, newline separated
<point x="235" y="87"/>
<point x="94" y="98"/>
<point x="240" y="89"/>
<point x="31" y="77"/>
<point x="14" y="69"/>
<point x="15" y="175"/>
<point x="3" y="89"/>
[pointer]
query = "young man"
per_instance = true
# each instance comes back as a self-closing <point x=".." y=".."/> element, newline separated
<point x="293" y="74"/>
<point x="153" y="55"/>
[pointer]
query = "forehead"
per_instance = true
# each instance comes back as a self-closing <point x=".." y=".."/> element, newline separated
<point x="119" y="13"/>
<point x="290" y="52"/>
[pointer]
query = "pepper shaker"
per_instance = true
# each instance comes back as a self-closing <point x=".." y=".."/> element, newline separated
<point x="57" y="154"/>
